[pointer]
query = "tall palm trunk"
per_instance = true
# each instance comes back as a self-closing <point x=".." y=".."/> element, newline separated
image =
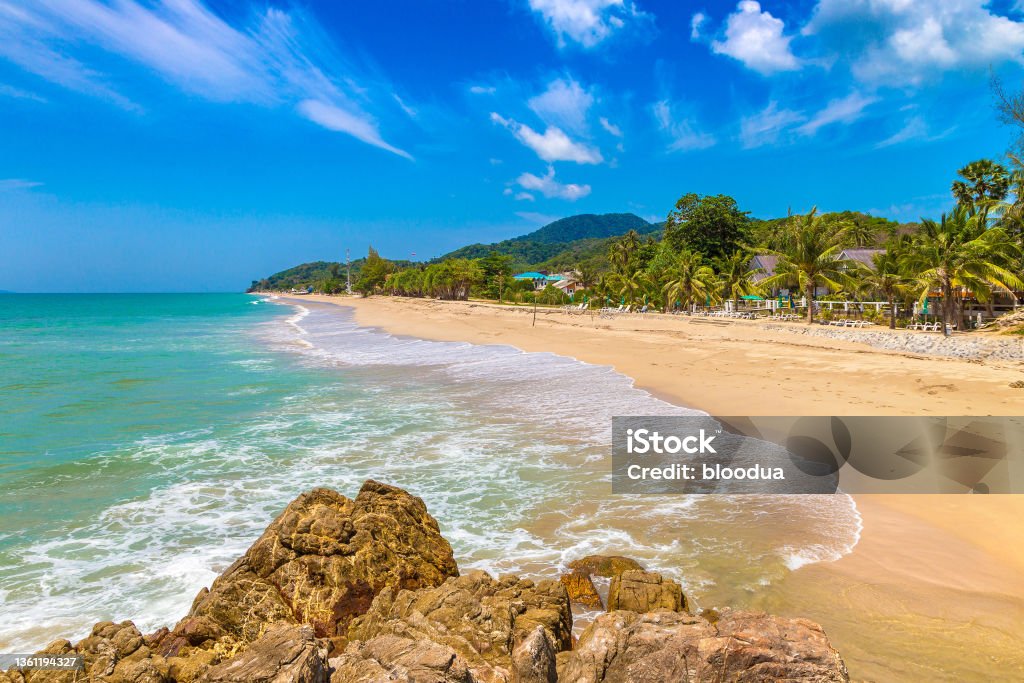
<point x="892" y="312"/>
<point x="947" y="306"/>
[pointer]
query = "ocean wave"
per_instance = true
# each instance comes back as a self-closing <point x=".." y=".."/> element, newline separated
<point x="508" y="449"/>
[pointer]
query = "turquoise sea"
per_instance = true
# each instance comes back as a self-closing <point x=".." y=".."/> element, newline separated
<point x="146" y="441"/>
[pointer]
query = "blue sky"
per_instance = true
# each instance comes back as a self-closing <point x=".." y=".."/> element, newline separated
<point x="172" y="145"/>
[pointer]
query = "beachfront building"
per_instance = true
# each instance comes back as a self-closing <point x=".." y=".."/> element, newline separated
<point x="865" y="257"/>
<point x="567" y="285"/>
<point x="540" y="280"/>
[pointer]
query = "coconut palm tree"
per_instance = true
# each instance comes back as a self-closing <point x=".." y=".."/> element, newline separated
<point x="622" y="251"/>
<point x="810" y="258"/>
<point x="736" y="278"/>
<point x="888" y="278"/>
<point x="960" y="253"/>
<point x="859" y="234"/>
<point x="689" y="280"/>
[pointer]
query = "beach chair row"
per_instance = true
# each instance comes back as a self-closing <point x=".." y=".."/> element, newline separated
<point x="925" y="327"/>
<point x="850" y="323"/>
<point x="623" y="310"/>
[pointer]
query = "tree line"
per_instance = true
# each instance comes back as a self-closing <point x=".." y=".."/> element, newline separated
<point x="704" y="255"/>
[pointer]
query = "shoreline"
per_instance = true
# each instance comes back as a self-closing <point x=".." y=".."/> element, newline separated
<point x="919" y="565"/>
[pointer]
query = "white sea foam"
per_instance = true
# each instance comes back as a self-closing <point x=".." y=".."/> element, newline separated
<point x="508" y="449"/>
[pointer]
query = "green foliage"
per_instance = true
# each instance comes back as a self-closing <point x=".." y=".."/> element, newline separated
<point x="373" y="274"/>
<point x="452" y="279"/>
<point x="809" y="259"/>
<point x="735" y="277"/>
<point x="561" y="244"/>
<point x="982" y="181"/>
<point x="958" y="253"/>
<point x="689" y="281"/>
<point x="712" y="225"/>
<point x="497" y="273"/>
<point x="299" y="277"/>
<point x="586" y="226"/>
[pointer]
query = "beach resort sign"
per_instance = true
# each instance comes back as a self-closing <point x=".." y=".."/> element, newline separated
<point x="817" y="455"/>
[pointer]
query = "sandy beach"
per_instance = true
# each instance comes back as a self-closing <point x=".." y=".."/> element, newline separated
<point x="934" y="589"/>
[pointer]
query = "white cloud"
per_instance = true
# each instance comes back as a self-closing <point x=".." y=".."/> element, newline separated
<point x="916" y="128"/>
<point x="483" y="89"/>
<point x="549" y="187"/>
<point x="551" y="145"/>
<point x="611" y="127"/>
<point x="19" y="94"/>
<point x="279" y="58"/>
<point x="14" y="184"/>
<point x="337" y="119"/>
<point x="905" y="42"/>
<point x="757" y="39"/>
<point x="844" y="110"/>
<point x="524" y="197"/>
<point x="682" y="133"/>
<point x="409" y="111"/>
<point x="587" y="22"/>
<point x="564" y="104"/>
<point x="765" y="127"/>
<point x="696" y="21"/>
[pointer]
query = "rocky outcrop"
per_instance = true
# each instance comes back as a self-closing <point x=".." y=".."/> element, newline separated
<point x="321" y="562"/>
<point x="367" y="591"/>
<point x="640" y="591"/>
<point x="608" y="566"/>
<point x="113" y="653"/>
<point x="493" y="627"/>
<point x="581" y="590"/>
<point x="284" y="654"/>
<point x="625" y="647"/>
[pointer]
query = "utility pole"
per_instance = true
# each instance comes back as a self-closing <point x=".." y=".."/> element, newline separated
<point x="348" y="273"/>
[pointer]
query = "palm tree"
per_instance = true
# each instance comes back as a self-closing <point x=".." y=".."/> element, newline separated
<point x="585" y="276"/>
<point x="860" y="234"/>
<point x="961" y="253"/>
<point x="888" y="278"/>
<point x="983" y="181"/>
<point x="809" y="258"/>
<point x="689" y="280"/>
<point x="623" y="250"/>
<point x="736" y="278"/>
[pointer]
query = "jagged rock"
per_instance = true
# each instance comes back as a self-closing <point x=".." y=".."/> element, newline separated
<point x="625" y="647"/>
<point x="373" y="575"/>
<point x="321" y="562"/>
<point x="392" y="658"/>
<point x="482" y="621"/>
<point x="608" y="566"/>
<point x="640" y="591"/>
<point x="113" y="653"/>
<point x="285" y="654"/>
<point x="533" y="660"/>
<point x="581" y="589"/>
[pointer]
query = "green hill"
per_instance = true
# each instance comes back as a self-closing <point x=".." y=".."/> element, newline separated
<point x="584" y="226"/>
<point x="561" y="245"/>
<point x="560" y="241"/>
